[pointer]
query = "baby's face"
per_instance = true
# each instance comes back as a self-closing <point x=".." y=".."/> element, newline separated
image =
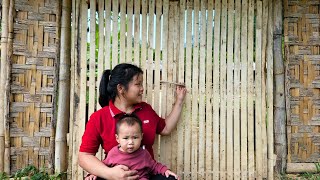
<point x="129" y="137"/>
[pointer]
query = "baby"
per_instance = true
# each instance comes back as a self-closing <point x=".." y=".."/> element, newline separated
<point x="129" y="153"/>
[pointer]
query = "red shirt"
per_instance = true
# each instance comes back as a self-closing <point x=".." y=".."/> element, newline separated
<point x="139" y="160"/>
<point x="101" y="128"/>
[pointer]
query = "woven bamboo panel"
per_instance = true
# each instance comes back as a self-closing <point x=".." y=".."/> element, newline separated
<point x="303" y="80"/>
<point x="33" y="83"/>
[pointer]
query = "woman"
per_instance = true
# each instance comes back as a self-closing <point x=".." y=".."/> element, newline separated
<point x="121" y="93"/>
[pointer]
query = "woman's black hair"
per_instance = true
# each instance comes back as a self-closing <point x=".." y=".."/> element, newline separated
<point x="130" y="120"/>
<point x="121" y="74"/>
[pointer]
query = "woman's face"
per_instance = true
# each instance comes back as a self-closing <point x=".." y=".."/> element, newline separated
<point x="135" y="90"/>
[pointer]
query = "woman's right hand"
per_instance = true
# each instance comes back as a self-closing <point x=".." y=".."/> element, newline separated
<point x="122" y="172"/>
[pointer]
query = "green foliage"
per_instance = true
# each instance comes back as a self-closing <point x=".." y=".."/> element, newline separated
<point x="32" y="173"/>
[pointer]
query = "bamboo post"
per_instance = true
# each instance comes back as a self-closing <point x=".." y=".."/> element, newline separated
<point x="270" y="120"/>
<point x="92" y="58"/>
<point x="64" y="90"/>
<point x="279" y="94"/>
<point x="123" y="5"/>
<point x="150" y="44"/>
<point x="216" y="90"/>
<point x="115" y="14"/>
<point x="137" y="33"/>
<point x="3" y="71"/>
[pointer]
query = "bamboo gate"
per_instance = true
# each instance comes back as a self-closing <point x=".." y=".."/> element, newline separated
<point x="222" y="51"/>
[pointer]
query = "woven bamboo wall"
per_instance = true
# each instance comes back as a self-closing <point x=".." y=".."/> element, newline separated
<point x="302" y="50"/>
<point x="33" y="83"/>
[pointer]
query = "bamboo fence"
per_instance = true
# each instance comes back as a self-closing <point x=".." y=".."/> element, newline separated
<point x="301" y="40"/>
<point x="222" y="51"/>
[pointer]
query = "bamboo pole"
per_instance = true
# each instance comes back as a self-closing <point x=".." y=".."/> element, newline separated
<point x="115" y="14"/>
<point x="237" y="97"/>
<point x="229" y="90"/>
<point x="279" y="94"/>
<point x="129" y="32"/>
<point x="144" y="6"/>
<point x="181" y="71"/>
<point x="7" y="90"/>
<point x="107" y="59"/>
<point x="270" y="93"/>
<point x="92" y="58"/>
<point x="187" y="113"/>
<point x="3" y="71"/>
<point x="64" y="90"/>
<point x="250" y="91"/>
<point x="74" y="82"/>
<point x="202" y="90"/>
<point x="137" y="33"/>
<point x="216" y="90"/>
<point x="223" y="99"/>
<point x="123" y="23"/>
<point x="150" y="45"/>
<point x="209" y="89"/>
<point x="195" y="94"/>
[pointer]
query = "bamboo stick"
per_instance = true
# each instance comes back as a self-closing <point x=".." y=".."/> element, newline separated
<point x="270" y="80"/>
<point x="258" y="93"/>
<point x="237" y="97"/>
<point x="129" y="32"/>
<point x="181" y="71"/>
<point x="107" y="59"/>
<point x="74" y="84"/>
<point x="144" y="36"/>
<point x="202" y="91"/>
<point x="244" y="87"/>
<point x="229" y="90"/>
<point x="123" y="23"/>
<point x="115" y="14"/>
<point x="209" y="88"/>
<point x="223" y="100"/>
<point x="195" y="94"/>
<point x="216" y="90"/>
<point x="187" y="112"/>
<point x="92" y="59"/>
<point x="280" y="140"/>
<point x="251" y="162"/>
<point x="137" y="33"/>
<point x="150" y="45"/>
<point x="64" y="90"/>
<point x="263" y="88"/>
<point x="165" y="60"/>
<point x="3" y="71"/>
<point x="157" y="70"/>
<point x="7" y="91"/>
<point x="79" y="122"/>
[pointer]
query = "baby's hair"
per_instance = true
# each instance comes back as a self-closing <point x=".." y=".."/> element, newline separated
<point x="130" y="120"/>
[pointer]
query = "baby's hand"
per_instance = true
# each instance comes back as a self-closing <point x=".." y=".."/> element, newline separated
<point x="91" y="177"/>
<point x="168" y="173"/>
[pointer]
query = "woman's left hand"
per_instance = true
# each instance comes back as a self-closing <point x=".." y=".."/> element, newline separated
<point x="181" y="93"/>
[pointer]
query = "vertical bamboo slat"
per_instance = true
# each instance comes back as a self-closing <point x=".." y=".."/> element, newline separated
<point x="100" y="65"/>
<point x="223" y="98"/>
<point x="251" y="162"/>
<point x="64" y="90"/>
<point x="195" y="93"/>
<point x="258" y="93"/>
<point x="129" y="32"/>
<point x="114" y="40"/>
<point x="144" y="36"/>
<point x="270" y="104"/>
<point x="107" y="30"/>
<point x="165" y="61"/>
<point x="181" y="71"/>
<point x="123" y="23"/>
<point x="137" y="33"/>
<point x="3" y="70"/>
<point x="202" y="90"/>
<point x="92" y="58"/>
<point x="216" y="90"/>
<point x="150" y="44"/>
<point x="187" y="112"/>
<point x="229" y="93"/>
<point x="244" y="92"/>
<point x="237" y="67"/>
<point x="208" y="114"/>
